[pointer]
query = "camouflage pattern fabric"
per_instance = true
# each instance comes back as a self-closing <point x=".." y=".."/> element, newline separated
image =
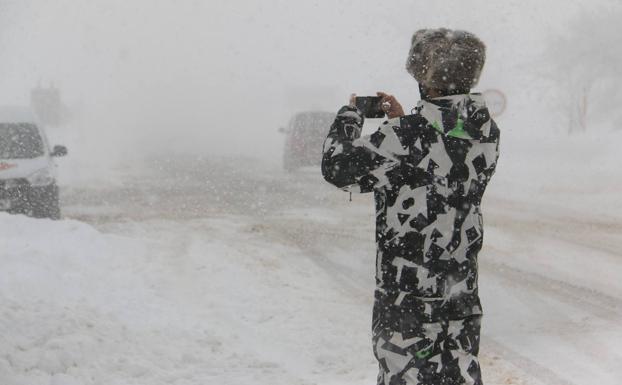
<point x="428" y="172"/>
<point x="412" y="351"/>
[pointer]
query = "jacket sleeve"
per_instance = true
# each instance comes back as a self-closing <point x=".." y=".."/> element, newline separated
<point x="354" y="163"/>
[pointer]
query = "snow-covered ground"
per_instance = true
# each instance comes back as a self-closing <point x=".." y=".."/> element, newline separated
<point x="234" y="273"/>
<point x="188" y="271"/>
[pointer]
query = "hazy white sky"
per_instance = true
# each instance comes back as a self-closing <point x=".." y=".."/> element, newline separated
<point x="217" y="76"/>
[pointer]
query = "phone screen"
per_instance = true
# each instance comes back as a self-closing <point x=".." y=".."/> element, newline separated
<point x="370" y="106"/>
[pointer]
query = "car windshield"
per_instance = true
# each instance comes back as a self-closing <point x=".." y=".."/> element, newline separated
<point x="20" y="141"/>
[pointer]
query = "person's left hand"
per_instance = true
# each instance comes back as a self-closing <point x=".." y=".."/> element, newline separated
<point x="390" y="105"/>
<point x="352" y="102"/>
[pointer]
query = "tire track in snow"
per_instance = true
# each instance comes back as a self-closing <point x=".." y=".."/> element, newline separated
<point x="543" y="375"/>
<point x="600" y="304"/>
<point x="311" y="239"/>
<point x="317" y="235"/>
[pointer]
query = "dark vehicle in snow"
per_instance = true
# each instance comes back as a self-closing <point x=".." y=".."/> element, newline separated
<point x="27" y="168"/>
<point x="305" y="136"/>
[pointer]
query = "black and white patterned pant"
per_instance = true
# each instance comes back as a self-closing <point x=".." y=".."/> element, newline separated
<point x="411" y="350"/>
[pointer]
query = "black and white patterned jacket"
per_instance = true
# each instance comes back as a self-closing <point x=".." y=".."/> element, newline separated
<point x="428" y="172"/>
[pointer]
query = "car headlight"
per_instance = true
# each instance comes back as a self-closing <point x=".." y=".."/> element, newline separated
<point x="41" y="178"/>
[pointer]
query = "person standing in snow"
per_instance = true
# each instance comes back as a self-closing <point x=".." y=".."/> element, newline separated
<point x="428" y="171"/>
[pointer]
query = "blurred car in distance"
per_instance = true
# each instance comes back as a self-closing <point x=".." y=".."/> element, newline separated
<point x="27" y="168"/>
<point x="305" y="136"/>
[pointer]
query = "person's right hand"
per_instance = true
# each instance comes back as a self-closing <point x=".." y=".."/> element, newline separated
<point x="390" y="105"/>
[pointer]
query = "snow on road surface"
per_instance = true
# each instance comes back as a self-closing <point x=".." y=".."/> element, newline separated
<point x="232" y="274"/>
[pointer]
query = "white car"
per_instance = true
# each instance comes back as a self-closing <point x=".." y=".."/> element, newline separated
<point x="27" y="167"/>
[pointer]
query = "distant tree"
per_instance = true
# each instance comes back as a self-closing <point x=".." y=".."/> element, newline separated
<point x="585" y="66"/>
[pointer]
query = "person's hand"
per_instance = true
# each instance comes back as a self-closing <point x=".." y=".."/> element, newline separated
<point x="352" y="100"/>
<point x="390" y="105"/>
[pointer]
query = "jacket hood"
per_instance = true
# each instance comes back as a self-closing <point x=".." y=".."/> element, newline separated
<point x="463" y="116"/>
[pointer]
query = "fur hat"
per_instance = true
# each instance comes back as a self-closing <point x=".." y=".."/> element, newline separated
<point x="446" y="60"/>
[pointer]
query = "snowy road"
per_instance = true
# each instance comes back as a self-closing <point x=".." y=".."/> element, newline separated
<point x="237" y="274"/>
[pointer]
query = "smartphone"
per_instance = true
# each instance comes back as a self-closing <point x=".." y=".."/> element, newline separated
<point x="370" y="106"/>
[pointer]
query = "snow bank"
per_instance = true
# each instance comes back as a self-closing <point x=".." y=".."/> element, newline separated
<point x="208" y="302"/>
<point x="55" y="278"/>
